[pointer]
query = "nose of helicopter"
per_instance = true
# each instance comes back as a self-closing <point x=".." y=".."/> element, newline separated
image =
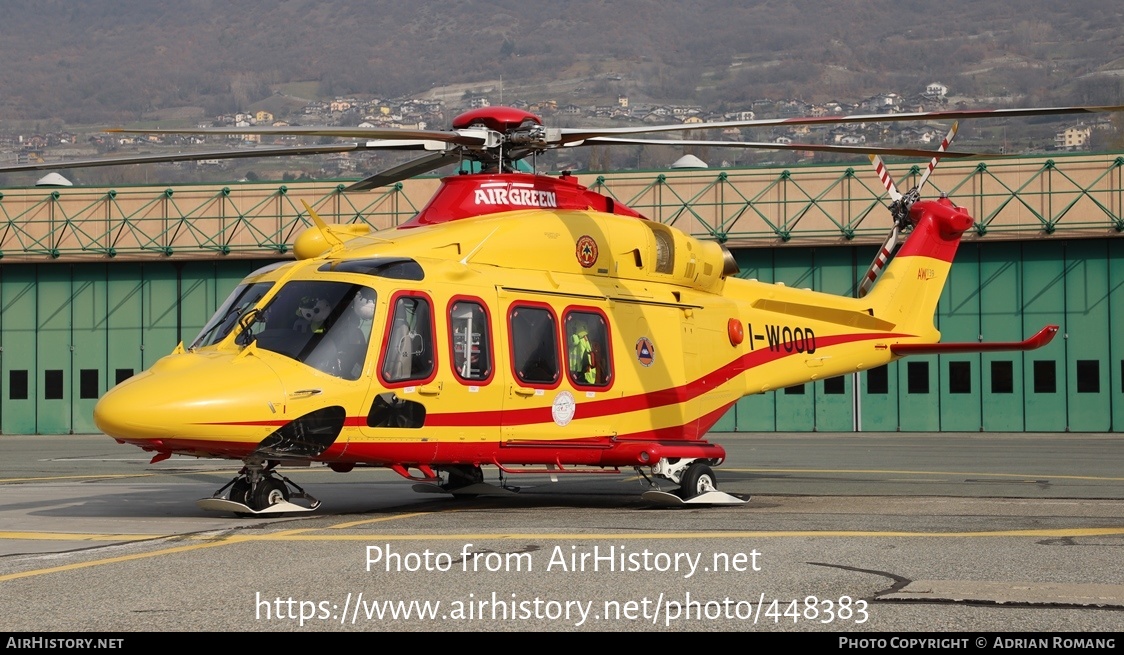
<point x="192" y="397"/>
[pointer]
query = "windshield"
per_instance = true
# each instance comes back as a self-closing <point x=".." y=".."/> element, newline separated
<point x="326" y="325"/>
<point x="242" y="298"/>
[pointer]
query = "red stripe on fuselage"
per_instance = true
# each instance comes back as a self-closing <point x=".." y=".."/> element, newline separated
<point x="651" y="400"/>
<point x="612" y="406"/>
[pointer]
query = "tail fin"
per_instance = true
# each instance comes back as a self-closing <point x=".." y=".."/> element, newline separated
<point x="909" y="288"/>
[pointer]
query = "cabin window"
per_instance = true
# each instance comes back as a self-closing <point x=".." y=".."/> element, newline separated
<point x="471" y="341"/>
<point x="409" y="354"/>
<point x="534" y="345"/>
<point x="587" y="341"/>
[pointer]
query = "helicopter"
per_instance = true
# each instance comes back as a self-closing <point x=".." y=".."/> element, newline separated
<point x="521" y="321"/>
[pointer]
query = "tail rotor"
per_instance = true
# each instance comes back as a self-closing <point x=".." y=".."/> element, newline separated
<point x="899" y="210"/>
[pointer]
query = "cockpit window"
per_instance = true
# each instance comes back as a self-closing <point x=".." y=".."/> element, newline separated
<point x="241" y="299"/>
<point x="325" y="325"/>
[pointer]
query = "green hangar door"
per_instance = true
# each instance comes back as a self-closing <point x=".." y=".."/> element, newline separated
<point x="69" y="332"/>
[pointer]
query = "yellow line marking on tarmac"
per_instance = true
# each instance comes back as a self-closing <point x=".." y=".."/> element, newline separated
<point x="211" y="542"/>
<point x="59" y="536"/>
<point x="1021" y="476"/>
<point x="79" y="477"/>
<point x="352" y="524"/>
<point x="122" y="558"/>
<point x="580" y="536"/>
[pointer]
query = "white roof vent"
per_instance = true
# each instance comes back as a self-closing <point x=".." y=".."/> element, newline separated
<point x="689" y="161"/>
<point x="53" y="179"/>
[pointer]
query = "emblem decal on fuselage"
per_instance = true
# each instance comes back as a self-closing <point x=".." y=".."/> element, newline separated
<point x="645" y="351"/>
<point x="586" y="251"/>
<point x="562" y="411"/>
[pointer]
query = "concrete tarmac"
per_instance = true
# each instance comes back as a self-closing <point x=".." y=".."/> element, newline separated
<point x="882" y="533"/>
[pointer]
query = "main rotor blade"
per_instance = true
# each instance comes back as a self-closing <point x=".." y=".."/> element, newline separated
<point x="460" y="137"/>
<point x="404" y="171"/>
<point x="569" y="134"/>
<point x="186" y="156"/>
<point x="762" y="145"/>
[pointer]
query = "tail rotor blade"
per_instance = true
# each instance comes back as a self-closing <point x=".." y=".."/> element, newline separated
<point x="885" y="178"/>
<point x="879" y="262"/>
<point x="944" y="146"/>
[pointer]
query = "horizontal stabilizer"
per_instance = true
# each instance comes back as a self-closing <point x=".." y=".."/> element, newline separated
<point x="1044" y="336"/>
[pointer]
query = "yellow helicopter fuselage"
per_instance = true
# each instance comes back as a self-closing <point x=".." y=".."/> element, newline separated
<point x="542" y="336"/>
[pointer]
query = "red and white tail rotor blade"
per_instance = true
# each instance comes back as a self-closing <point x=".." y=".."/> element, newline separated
<point x="885" y="178"/>
<point x="944" y="146"/>
<point x="879" y="262"/>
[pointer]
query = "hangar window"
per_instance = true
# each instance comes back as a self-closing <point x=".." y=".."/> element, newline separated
<point x="1088" y="376"/>
<point x="918" y="377"/>
<point x="878" y="380"/>
<point x="17" y="385"/>
<point x="1045" y="376"/>
<point x="1002" y="377"/>
<point x="795" y="390"/>
<point x="88" y="383"/>
<point x="960" y="377"/>
<point x="835" y="386"/>
<point x="52" y="384"/>
<point x="122" y="374"/>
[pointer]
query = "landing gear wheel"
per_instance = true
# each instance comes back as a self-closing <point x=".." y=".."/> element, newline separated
<point x="697" y="479"/>
<point x="269" y="492"/>
<point x="240" y="492"/>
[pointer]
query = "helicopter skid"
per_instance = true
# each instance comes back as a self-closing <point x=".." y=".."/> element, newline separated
<point x="224" y="505"/>
<point x="666" y="499"/>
